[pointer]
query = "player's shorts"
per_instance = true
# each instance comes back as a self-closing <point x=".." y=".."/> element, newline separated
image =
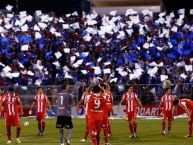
<point x="64" y="122"/>
<point x="40" y="116"/>
<point x="95" y="126"/>
<point x="131" y="116"/>
<point x="12" y="120"/>
<point x="168" y="115"/>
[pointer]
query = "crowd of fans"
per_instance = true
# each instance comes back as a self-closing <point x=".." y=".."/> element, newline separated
<point x="132" y="48"/>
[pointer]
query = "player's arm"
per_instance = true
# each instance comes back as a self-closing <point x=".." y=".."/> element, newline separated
<point x="49" y="104"/>
<point x="89" y="86"/>
<point x="161" y="102"/>
<point x="107" y="83"/>
<point x="2" y="104"/>
<point x="79" y="103"/>
<point x="72" y="101"/>
<point x="139" y="103"/>
<point x="21" y="107"/>
<point x="32" y="106"/>
<point x="102" y="89"/>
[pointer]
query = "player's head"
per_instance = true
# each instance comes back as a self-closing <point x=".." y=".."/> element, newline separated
<point x="11" y="91"/>
<point x="64" y="86"/>
<point x="176" y="102"/>
<point x="39" y="90"/>
<point x="96" y="89"/>
<point x="130" y="89"/>
<point x="168" y="91"/>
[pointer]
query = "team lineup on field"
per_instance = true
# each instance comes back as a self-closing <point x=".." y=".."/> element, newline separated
<point x="98" y="101"/>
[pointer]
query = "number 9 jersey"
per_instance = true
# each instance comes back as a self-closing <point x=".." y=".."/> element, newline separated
<point x="96" y="105"/>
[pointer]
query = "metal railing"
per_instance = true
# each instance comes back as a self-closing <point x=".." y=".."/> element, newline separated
<point x="148" y="94"/>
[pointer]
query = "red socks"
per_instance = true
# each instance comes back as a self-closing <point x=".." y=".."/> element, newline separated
<point x="86" y="133"/>
<point x="39" y="126"/>
<point x="9" y="132"/>
<point x="43" y="126"/>
<point x="169" y="126"/>
<point x="131" y="128"/>
<point x="18" y="132"/>
<point x="163" y="126"/>
<point x="190" y="127"/>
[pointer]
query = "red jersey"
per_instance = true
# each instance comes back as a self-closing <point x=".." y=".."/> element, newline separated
<point x="187" y="103"/>
<point x="11" y="104"/>
<point x="167" y="101"/>
<point x="96" y="105"/>
<point x="85" y="97"/>
<point x="41" y="101"/>
<point x="130" y="101"/>
<point x="109" y="98"/>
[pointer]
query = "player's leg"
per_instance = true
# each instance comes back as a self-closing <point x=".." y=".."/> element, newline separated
<point x="86" y="131"/>
<point x="61" y="136"/>
<point x="170" y="119"/>
<point x="190" y="126"/>
<point x="68" y="126"/>
<point x="43" y="122"/>
<point x="92" y="131"/>
<point x="105" y="130"/>
<point x="134" y="124"/>
<point x="164" y="124"/>
<point x="8" y="123"/>
<point x="108" y="123"/>
<point x="38" y="118"/>
<point x="134" y="128"/>
<point x="16" y="123"/>
<point x="131" y="128"/>
<point x="98" y="128"/>
<point x="60" y="126"/>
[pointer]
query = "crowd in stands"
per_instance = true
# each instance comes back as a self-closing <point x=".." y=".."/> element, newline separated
<point x="137" y="47"/>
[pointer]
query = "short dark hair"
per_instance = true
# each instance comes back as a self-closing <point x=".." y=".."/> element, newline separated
<point x="176" y="101"/>
<point x="11" y="89"/>
<point x="96" y="89"/>
<point x="38" y="88"/>
<point x="64" y="86"/>
<point x="166" y="89"/>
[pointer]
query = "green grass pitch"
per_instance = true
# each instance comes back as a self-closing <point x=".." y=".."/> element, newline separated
<point x="149" y="133"/>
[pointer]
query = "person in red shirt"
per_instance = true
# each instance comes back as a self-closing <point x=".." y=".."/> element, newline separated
<point x="106" y="112"/>
<point x="96" y="105"/>
<point x="12" y="104"/>
<point x="41" y="100"/>
<point x="167" y="103"/>
<point x="85" y="97"/>
<point x="109" y="104"/>
<point x="187" y="105"/>
<point x="131" y="100"/>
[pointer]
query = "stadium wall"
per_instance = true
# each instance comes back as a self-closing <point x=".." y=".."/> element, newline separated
<point x="147" y="110"/>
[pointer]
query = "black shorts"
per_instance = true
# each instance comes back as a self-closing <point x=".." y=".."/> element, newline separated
<point x="64" y="122"/>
